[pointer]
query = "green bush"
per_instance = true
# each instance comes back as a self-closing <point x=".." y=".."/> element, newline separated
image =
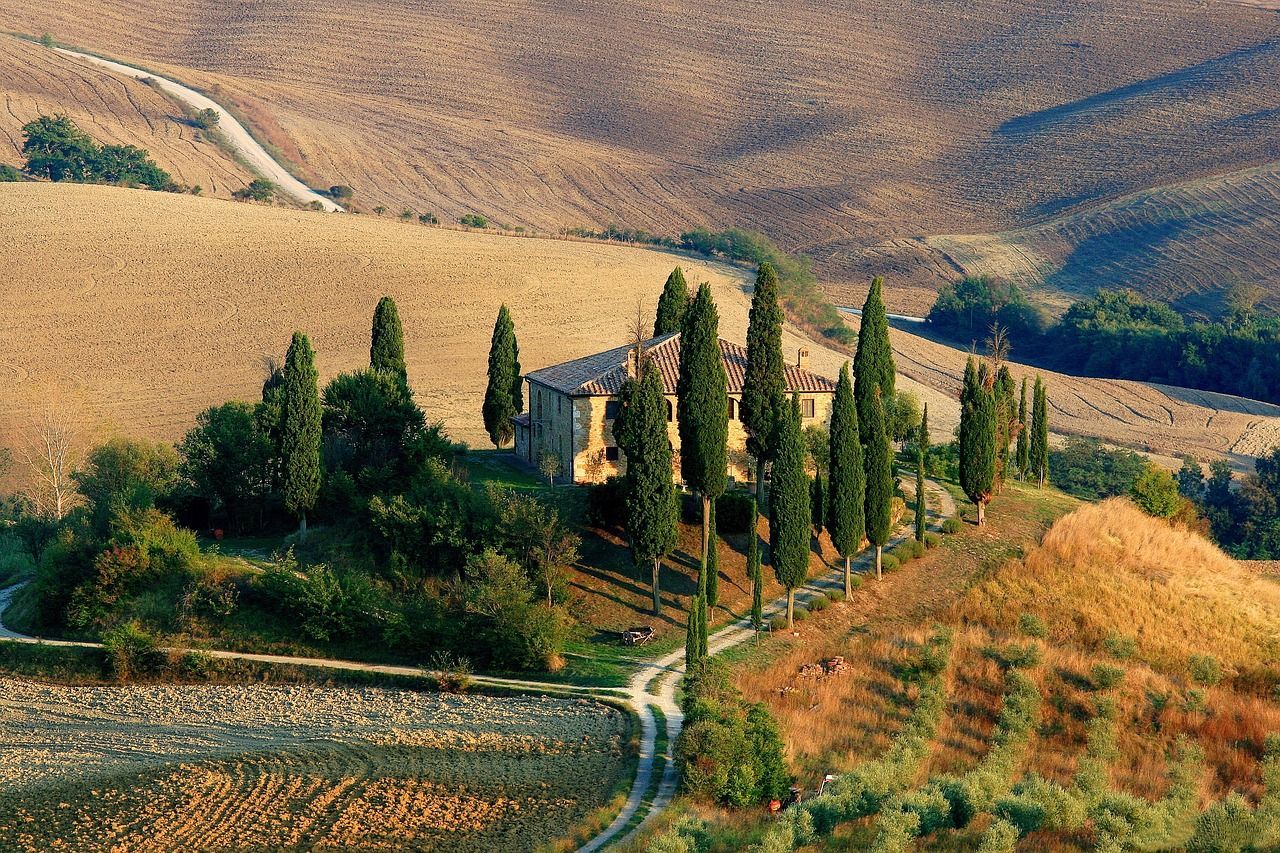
<point x="896" y="831"/>
<point x="132" y="652"/>
<point x="324" y="605"/>
<point x="197" y="664"/>
<point x="778" y="623"/>
<point x="1015" y="656"/>
<point x="1123" y="821"/>
<point x="259" y="189"/>
<point x="817" y="604"/>
<point x="8" y="174"/>
<point x="1120" y="646"/>
<point x="800" y="614"/>
<point x="835" y="596"/>
<point x="1104" y="676"/>
<point x="735" y="511"/>
<point x="1227" y="825"/>
<point x="952" y="525"/>
<point x="889" y="563"/>
<point x="1033" y="626"/>
<point x="16" y="560"/>
<point x="931" y="539"/>
<point x="1000" y="837"/>
<point x="1205" y="670"/>
<point x="606" y="508"/>
<point x="474" y="220"/>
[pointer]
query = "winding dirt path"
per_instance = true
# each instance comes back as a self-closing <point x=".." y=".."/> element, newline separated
<point x="653" y="685"/>
<point x="232" y="130"/>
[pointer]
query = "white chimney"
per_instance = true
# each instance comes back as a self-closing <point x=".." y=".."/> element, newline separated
<point x="802" y="358"/>
<point x="632" y="362"/>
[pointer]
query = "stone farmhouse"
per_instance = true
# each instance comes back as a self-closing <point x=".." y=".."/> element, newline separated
<point x="572" y="407"/>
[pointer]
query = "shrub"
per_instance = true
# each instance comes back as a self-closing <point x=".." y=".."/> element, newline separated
<point x="196" y="664"/>
<point x="817" y="604"/>
<point x="1155" y="491"/>
<point x="1205" y="670"/>
<point x="952" y="525"/>
<point x="735" y="510"/>
<point x="1195" y="702"/>
<point x="428" y="219"/>
<point x="341" y="192"/>
<point x="800" y="614"/>
<point x="606" y="508"/>
<point x="16" y="560"/>
<point x="896" y="831"/>
<point x="207" y="119"/>
<point x="1000" y="837"/>
<point x="1227" y="825"/>
<point x="1123" y="821"/>
<point x="1120" y="646"/>
<point x="259" y="189"/>
<point x="474" y="220"/>
<point x="835" y="596"/>
<point x="931" y="539"/>
<point x="1104" y="676"/>
<point x="1033" y="626"/>
<point x="8" y="174"/>
<point x="889" y="563"/>
<point x="131" y="652"/>
<point x="1015" y="656"/>
<point x="778" y="623"/>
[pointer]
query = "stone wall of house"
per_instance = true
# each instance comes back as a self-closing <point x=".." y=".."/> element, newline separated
<point x="594" y="437"/>
<point x="551" y="415"/>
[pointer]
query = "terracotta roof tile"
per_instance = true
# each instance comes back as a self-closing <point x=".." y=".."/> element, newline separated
<point x="602" y="374"/>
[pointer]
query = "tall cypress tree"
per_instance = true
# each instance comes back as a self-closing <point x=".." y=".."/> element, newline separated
<point x="649" y="494"/>
<point x="672" y="305"/>
<point x="1006" y="421"/>
<point x="1039" y="450"/>
<point x="846" y="478"/>
<point x="920" y="505"/>
<point x="386" y="347"/>
<point x="757" y="580"/>
<point x="1023" y="452"/>
<point x="300" y="431"/>
<point x="692" y="638"/>
<point x="873" y="366"/>
<point x="702" y="403"/>
<point x="879" y="463"/>
<point x="503" y="398"/>
<point x="817" y="503"/>
<point x="789" y="513"/>
<point x="922" y="432"/>
<point x="713" y="562"/>
<point x="977" y="437"/>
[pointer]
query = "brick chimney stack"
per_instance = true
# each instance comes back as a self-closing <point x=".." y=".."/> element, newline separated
<point x="802" y="358"/>
<point x="632" y="362"/>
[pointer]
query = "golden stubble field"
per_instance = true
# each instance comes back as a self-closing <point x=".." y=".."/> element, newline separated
<point x="258" y="767"/>
<point x="146" y="308"/>
<point x="110" y="108"/>
<point x="839" y="130"/>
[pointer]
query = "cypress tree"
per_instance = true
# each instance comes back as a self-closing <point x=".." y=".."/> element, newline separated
<point x="920" y="506"/>
<point x="817" y="502"/>
<point x="764" y="381"/>
<point x="672" y="305"/>
<point x="846" y="478"/>
<point x="879" y="463"/>
<point x="1023" y="452"/>
<point x="757" y="581"/>
<point x="702" y="403"/>
<point x="692" y="641"/>
<point x="873" y="366"/>
<point x="703" y="639"/>
<point x="649" y="494"/>
<point x="1039" y="450"/>
<point x="789" y="513"/>
<point x="977" y="437"/>
<point x="1006" y="422"/>
<point x="386" y="347"/>
<point x="300" y="431"/>
<point x="503" y="398"/>
<point x="713" y="563"/>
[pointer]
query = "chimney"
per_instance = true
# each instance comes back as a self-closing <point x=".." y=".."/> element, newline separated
<point x="632" y="360"/>
<point x="802" y="358"/>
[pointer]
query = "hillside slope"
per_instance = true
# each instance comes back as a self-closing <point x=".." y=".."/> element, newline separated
<point x="113" y="110"/>
<point x="832" y="129"/>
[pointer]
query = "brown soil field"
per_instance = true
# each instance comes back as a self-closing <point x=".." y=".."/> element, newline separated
<point x="838" y="132"/>
<point x="113" y="110"/>
<point x="254" y="767"/>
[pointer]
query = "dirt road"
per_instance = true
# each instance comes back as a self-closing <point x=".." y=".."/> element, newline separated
<point x="235" y="134"/>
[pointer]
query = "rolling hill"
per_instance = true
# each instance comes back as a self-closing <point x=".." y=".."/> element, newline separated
<point x="846" y="132"/>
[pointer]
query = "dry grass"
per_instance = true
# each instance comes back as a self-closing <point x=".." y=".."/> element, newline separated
<point x="114" y="110"/>
<point x="1109" y="568"/>
<point x="241" y="768"/>
<point x="834" y="132"/>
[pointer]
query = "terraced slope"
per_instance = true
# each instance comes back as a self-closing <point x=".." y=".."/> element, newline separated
<point x="114" y="110"/>
<point x="836" y="129"/>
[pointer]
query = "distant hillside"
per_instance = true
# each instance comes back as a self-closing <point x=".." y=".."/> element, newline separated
<point x="839" y="130"/>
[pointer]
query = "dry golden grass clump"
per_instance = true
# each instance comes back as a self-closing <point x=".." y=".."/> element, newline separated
<point x="114" y="110"/>
<point x="1109" y="569"/>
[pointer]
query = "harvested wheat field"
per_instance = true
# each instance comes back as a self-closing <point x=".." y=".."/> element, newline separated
<point x="834" y="130"/>
<point x="113" y="110"/>
<point x="1162" y="420"/>
<point x="254" y="767"/>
